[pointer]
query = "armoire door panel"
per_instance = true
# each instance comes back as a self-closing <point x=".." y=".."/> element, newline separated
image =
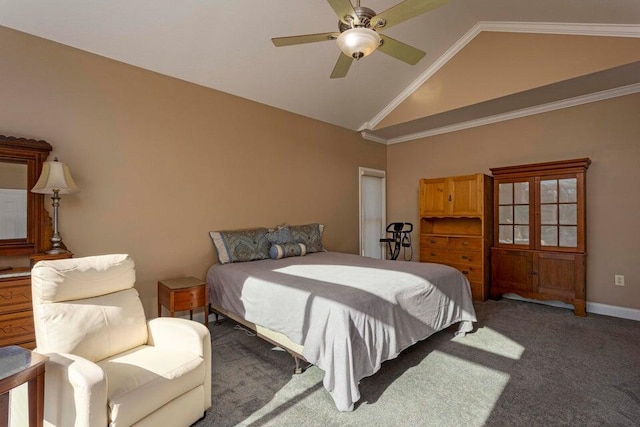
<point x="512" y="269"/>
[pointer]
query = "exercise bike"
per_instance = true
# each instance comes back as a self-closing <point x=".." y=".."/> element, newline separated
<point x="400" y="239"/>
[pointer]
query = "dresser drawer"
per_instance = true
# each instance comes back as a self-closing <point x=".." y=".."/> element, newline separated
<point x="434" y="255"/>
<point x="472" y="273"/>
<point x="467" y="243"/>
<point x="433" y="242"/>
<point x="15" y="295"/>
<point x="16" y="328"/>
<point x="465" y="257"/>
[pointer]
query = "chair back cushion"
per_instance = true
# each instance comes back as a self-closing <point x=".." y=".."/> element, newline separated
<point x="87" y="306"/>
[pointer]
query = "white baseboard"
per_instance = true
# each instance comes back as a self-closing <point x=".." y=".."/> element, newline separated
<point x="592" y="307"/>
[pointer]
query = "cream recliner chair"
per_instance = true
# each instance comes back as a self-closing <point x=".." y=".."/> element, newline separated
<point x="108" y="365"/>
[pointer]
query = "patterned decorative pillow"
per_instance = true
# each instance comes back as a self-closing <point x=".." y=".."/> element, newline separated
<point x="287" y="249"/>
<point x="241" y="245"/>
<point x="310" y="235"/>
<point x="280" y="236"/>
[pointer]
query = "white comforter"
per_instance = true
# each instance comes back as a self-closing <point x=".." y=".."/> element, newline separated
<point x="350" y="313"/>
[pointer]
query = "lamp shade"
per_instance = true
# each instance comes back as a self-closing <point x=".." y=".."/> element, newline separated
<point x="55" y="176"/>
<point x="358" y="42"/>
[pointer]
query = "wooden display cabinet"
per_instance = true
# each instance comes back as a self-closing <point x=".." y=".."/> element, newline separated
<point x="539" y="247"/>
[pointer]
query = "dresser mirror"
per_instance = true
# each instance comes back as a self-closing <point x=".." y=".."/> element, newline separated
<point x="22" y="213"/>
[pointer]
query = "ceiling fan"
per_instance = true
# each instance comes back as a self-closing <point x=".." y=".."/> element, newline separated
<point x="359" y="35"/>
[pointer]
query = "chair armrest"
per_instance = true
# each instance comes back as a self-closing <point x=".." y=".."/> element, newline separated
<point x="75" y="391"/>
<point x="179" y="334"/>
<point x="186" y="335"/>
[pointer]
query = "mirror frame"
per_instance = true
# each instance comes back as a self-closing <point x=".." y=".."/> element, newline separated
<point x="33" y="153"/>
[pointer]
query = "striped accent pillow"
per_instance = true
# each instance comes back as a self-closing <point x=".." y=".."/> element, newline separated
<point x="287" y="249"/>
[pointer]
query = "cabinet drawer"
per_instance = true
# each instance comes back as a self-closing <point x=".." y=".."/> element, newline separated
<point x="433" y="242"/>
<point x="465" y="257"/>
<point x="15" y="295"/>
<point x="16" y="328"/>
<point x="468" y="243"/>
<point x="189" y="299"/>
<point x="434" y="255"/>
<point x="472" y="273"/>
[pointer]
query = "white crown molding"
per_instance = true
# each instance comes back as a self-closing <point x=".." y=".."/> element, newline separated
<point x="371" y="137"/>
<point x="582" y="29"/>
<point x="538" y="109"/>
<point x="592" y="307"/>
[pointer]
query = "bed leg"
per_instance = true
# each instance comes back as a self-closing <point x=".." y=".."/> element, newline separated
<point x="298" y="369"/>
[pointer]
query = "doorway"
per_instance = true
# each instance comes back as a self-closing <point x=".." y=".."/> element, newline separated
<point x="373" y="214"/>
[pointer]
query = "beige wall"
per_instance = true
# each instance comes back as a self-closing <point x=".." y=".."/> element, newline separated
<point x="608" y="132"/>
<point x="161" y="162"/>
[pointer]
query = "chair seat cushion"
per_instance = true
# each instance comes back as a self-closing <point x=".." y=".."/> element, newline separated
<point x="143" y="379"/>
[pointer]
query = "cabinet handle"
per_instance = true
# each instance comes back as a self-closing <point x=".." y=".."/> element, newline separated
<point x="465" y="272"/>
<point x="465" y="257"/>
<point x="449" y="197"/>
<point x="465" y="243"/>
<point x="433" y="254"/>
<point x="432" y="241"/>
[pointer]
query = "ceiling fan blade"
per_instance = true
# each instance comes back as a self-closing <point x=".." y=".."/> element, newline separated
<point x="403" y="11"/>
<point x="343" y="8"/>
<point x="306" y="38"/>
<point x="342" y="66"/>
<point x="401" y="51"/>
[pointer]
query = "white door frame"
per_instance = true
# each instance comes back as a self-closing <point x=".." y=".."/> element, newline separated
<point x="377" y="173"/>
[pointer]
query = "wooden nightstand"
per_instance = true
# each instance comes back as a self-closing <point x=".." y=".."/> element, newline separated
<point x="184" y="293"/>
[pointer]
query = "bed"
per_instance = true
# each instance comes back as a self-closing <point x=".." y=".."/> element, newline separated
<point x="344" y="313"/>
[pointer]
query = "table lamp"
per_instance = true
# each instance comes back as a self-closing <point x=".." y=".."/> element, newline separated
<point x="55" y="179"/>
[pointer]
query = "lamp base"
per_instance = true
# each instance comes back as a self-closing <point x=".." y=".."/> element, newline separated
<point x="57" y="251"/>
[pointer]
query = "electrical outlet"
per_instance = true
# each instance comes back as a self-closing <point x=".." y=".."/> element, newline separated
<point x="619" y="280"/>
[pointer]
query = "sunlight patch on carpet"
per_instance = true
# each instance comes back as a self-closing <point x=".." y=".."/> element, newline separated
<point x="490" y="340"/>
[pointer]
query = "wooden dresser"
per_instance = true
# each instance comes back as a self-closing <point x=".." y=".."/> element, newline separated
<point x="455" y="226"/>
<point x="16" y="315"/>
<point x="16" y="312"/>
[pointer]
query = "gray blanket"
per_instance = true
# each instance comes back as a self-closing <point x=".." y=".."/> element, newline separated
<point x="350" y="313"/>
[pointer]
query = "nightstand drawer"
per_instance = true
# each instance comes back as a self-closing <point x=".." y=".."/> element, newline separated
<point x="189" y="299"/>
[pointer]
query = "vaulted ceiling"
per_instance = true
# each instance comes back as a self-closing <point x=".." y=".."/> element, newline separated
<point x="484" y="57"/>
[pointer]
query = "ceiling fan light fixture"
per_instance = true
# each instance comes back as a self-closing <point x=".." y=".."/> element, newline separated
<point x="358" y="42"/>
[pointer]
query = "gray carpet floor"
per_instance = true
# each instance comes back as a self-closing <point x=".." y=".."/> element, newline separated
<point x="525" y="364"/>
